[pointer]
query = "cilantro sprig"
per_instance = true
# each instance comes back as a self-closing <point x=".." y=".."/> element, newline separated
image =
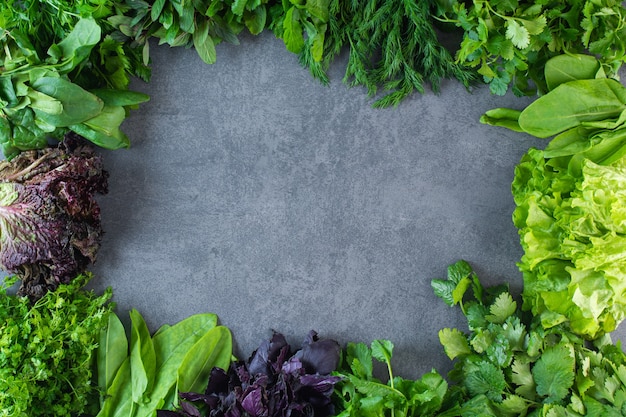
<point x="509" y="365"/>
<point x="509" y="41"/>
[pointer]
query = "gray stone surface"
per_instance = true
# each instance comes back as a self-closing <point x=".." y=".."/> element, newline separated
<point x="254" y="192"/>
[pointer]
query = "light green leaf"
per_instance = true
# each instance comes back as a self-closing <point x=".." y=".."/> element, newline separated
<point x="503" y="307"/>
<point x="238" y="7"/>
<point x="571" y="104"/>
<point x="255" y="20"/>
<point x="214" y="349"/>
<point x="112" y="351"/>
<point x="382" y="350"/>
<point x="564" y="68"/>
<point x="503" y="117"/>
<point x="203" y="43"/>
<point x="122" y="98"/>
<point x="171" y="345"/>
<point x="318" y="9"/>
<point x="78" y="44"/>
<point x="554" y="372"/>
<point x="292" y="34"/>
<point x="78" y="104"/>
<point x="157" y="8"/>
<point x="517" y="33"/>
<point x="118" y="401"/>
<point x="454" y="342"/>
<point x="142" y="358"/>
<point x="104" y="129"/>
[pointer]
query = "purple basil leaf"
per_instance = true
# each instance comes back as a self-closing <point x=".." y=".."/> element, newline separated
<point x="253" y="403"/>
<point x="190" y="409"/>
<point x="167" y="413"/>
<point x="218" y="382"/>
<point x="319" y="356"/>
<point x="267" y="353"/>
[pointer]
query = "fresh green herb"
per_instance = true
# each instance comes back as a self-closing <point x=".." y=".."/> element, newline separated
<point x="202" y="24"/>
<point x="273" y="382"/>
<point x="110" y="64"/>
<point x="39" y="100"/>
<point x="360" y="393"/>
<point x="509" y="365"/>
<point x="48" y="349"/>
<point x="301" y="25"/>
<point x="393" y="47"/>
<point x="570" y="206"/>
<point x="510" y="41"/>
<point x="148" y="376"/>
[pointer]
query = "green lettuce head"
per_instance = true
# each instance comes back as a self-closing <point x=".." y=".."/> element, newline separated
<point x="573" y="231"/>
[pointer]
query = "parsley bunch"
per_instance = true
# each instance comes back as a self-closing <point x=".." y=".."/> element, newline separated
<point x="47" y="350"/>
<point x="509" y="41"/>
<point x="509" y="365"/>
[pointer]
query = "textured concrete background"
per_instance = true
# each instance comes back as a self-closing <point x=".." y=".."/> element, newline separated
<point x="254" y="192"/>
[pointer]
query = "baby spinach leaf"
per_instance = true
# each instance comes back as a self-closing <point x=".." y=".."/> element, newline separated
<point x="171" y="345"/>
<point x="573" y="103"/>
<point x="564" y="68"/>
<point x="77" y="45"/>
<point x="104" y="129"/>
<point x="78" y="104"/>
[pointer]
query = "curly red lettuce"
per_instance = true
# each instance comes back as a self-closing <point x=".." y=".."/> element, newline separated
<point x="50" y="228"/>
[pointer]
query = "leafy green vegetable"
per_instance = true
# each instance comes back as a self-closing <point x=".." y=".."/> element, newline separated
<point x="509" y="365"/>
<point x="274" y="381"/>
<point x="510" y="41"/>
<point x="201" y="24"/>
<point x="362" y="394"/>
<point x="112" y="351"/>
<point x="50" y="219"/>
<point x="48" y="349"/>
<point x="39" y="98"/>
<point x="393" y="47"/>
<point x="570" y="209"/>
<point x="148" y="376"/>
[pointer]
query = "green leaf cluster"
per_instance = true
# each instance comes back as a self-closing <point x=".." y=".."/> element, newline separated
<point x="570" y="205"/>
<point x="510" y="41"/>
<point x="394" y="49"/>
<point x="302" y="25"/>
<point x="509" y="365"/>
<point x="144" y="374"/>
<point x="38" y="99"/>
<point x="201" y="24"/>
<point x="361" y="394"/>
<point x="48" y="350"/>
<point x="46" y="22"/>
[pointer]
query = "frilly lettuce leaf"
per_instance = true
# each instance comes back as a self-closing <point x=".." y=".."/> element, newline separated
<point x="49" y="220"/>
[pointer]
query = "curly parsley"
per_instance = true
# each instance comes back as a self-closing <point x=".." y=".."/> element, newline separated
<point x="47" y="350"/>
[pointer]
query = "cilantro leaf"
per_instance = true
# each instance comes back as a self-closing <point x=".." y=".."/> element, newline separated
<point x="485" y="378"/>
<point x="554" y="372"/>
<point x="454" y="342"/>
<point x="502" y="308"/>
